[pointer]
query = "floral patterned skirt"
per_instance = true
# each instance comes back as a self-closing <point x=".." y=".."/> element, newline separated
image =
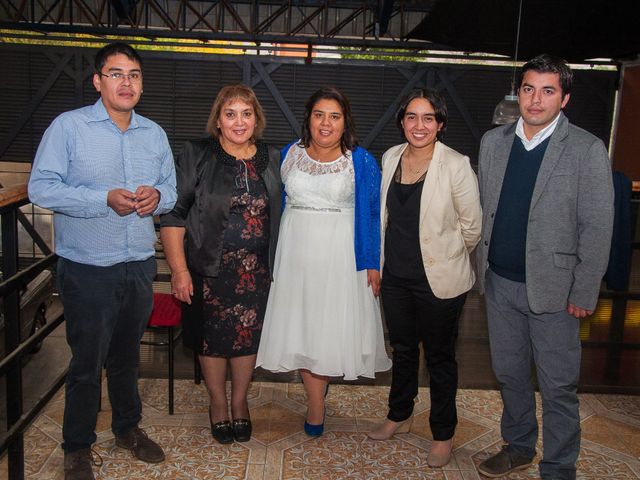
<point x="234" y="303"/>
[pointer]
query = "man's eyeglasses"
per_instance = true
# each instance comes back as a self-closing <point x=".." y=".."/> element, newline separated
<point x="119" y="76"/>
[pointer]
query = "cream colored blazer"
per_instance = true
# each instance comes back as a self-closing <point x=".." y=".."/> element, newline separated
<point x="450" y="218"/>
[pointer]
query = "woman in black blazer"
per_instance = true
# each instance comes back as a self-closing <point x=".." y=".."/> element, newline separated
<point x="220" y="242"/>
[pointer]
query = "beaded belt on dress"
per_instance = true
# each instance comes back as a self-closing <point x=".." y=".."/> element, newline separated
<point x="327" y="209"/>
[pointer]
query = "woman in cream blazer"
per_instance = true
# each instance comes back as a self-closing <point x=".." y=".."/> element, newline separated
<point x="430" y="222"/>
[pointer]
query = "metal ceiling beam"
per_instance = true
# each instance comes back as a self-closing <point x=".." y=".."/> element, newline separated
<point x="350" y="18"/>
<point x="266" y="23"/>
<point x="154" y="36"/>
<point x="277" y="96"/>
<point x="305" y="21"/>
<point x="391" y="109"/>
<point x="19" y="11"/>
<point x="202" y="17"/>
<point x="326" y="22"/>
<point x="34" y="103"/>
<point x="460" y="104"/>
<point x="229" y="8"/>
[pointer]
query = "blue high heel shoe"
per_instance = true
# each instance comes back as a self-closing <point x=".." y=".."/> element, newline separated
<point x="314" y="430"/>
<point x="317" y="430"/>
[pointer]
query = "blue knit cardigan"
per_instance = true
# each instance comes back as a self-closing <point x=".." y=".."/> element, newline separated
<point x="367" y="207"/>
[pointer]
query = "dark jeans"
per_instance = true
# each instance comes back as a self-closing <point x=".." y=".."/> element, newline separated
<point x="415" y="315"/>
<point x="106" y="311"/>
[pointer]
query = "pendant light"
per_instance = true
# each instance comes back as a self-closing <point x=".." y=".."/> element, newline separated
<point x="507" y="111"/>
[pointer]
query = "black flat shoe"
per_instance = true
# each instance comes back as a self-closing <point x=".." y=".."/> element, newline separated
<point x="242" y="429"/>
<point x="222" y="432"/>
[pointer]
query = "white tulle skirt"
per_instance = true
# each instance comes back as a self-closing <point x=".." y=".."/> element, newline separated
<point x="321" y="315"/>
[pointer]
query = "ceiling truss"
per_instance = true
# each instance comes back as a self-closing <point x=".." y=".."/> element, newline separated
<point x="380" y="23"/>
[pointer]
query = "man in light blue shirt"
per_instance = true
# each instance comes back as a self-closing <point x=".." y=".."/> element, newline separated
<point x="105" y="171"/>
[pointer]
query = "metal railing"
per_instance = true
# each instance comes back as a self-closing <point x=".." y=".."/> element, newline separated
<point x="18" y="420"/>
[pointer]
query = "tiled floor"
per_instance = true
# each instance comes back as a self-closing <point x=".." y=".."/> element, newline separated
<point x="279" y="449"/>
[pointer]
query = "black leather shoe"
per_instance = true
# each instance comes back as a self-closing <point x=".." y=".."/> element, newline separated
<point x="222" y="432"/>
<point x="242" y="429"/>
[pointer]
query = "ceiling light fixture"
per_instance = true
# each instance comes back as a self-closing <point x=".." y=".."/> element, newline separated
<point x="507" y="110"/>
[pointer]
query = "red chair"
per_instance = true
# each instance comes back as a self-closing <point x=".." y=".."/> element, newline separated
<point x="166" y="316"/>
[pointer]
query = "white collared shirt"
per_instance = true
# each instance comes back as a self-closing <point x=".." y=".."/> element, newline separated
<point x="539" y="137"/>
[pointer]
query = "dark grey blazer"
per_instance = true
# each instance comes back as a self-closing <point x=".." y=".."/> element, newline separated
<point x="570" y="218"/>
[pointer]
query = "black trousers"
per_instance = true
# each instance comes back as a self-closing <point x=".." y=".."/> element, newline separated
<point x="415" y="315"/>
<point x="106" y="311"/>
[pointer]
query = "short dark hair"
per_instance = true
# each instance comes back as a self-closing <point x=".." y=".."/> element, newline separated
<point x="436" y="100"/>
<point x="546" y="63"/>
<point x="349" y="141"/>
<point x="228" y="94"/>
<point x="115" y="49"/>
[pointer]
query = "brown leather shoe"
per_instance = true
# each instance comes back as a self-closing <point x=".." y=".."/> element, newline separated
<point x="77" y="465"/>
<point x="140" y="445"/>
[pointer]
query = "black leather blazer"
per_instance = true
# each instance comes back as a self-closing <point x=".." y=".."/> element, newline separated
<point x="205" y="178"/>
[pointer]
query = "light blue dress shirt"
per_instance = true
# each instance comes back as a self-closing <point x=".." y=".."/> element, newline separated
<point x="82" y="156"/>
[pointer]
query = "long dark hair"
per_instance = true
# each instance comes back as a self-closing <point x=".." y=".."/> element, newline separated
<point x="349" y="141"/>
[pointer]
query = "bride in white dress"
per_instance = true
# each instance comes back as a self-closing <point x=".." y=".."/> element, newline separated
<point x="323" y="316"/>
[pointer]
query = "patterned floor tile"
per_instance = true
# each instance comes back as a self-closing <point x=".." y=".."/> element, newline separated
<point x="466" y="430"/>
<point x="627" y="405"/>
<point x="338" y="455"/>
<point x="613" y="434"/>
<point x="273" y="422"/>
<point x="188" y="397"/>
<point x="597" y="466"/>
<point x="38" y="447"/>
<point x="279" y="449"/>
<point x="485" y="403"/>
<point x="190" y="453"/>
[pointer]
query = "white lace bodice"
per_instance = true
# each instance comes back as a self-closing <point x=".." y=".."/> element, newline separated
<point x="310" y="183"/>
